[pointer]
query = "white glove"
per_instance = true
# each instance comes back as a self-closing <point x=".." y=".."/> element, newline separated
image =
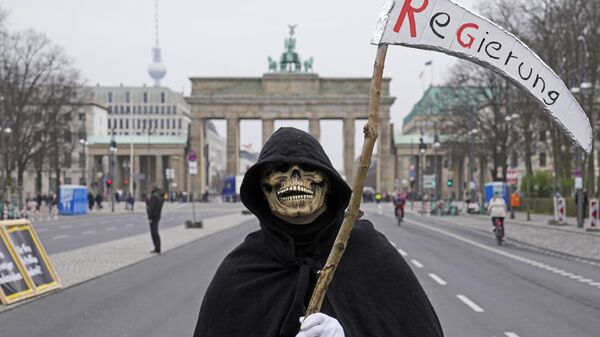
<point x="320" y="325"/>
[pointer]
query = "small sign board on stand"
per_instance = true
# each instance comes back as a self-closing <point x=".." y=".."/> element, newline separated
<point x="31" y="272"/>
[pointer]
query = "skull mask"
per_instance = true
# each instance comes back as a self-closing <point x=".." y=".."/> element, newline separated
<point x="295" y="192"/>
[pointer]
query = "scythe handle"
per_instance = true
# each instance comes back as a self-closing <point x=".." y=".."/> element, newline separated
<point x="353" y="212"/>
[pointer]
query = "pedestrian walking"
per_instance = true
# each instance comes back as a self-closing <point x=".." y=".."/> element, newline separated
<point x="90" y="197"/>
<point x="154" y="209"/>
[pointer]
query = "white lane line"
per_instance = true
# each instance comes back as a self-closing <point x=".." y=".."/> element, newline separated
<point x="39" y="230"/>
<point x="438" y="279"/>
<point x="129" y="225"/>
<point x="417" y="263"/>
<point x="511" y="334"/>
<point x="59" y="237"/>
<point x="110" y="229"/>
<point x="88" y="232"/>
<point x="86" y="224"/>
<point x="403" y="253"/>
<point x="504" y="253"/>
<point x="469" y="303"/>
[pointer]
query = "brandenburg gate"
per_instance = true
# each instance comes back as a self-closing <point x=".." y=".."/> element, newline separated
<point x="289" y="93"/>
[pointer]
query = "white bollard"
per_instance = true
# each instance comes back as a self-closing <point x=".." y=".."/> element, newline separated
<point x="593" y="224"/>
<point x="561" y="207"/>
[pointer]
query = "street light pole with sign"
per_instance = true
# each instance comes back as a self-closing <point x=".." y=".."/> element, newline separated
<point x="193" y="170"/>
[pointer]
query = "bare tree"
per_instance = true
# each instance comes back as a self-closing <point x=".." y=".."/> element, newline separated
<point x="36" y="78"/>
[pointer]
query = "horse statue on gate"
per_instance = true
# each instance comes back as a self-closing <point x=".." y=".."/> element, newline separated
<point x="272" y="65"/>
<point x="308" y="65"/>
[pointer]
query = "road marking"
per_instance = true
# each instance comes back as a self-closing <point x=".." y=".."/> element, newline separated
<point x="110" y="229"/>
<point x="39" y="230"/>
<point x="65" y="227"/>
<point x="469" y="303"/>
<point x="504" y="253"/>
<point x="59" y="237"/>
<point x="129" y="225"/>
<point x="88" y="232"/>
<point x="403" y="253"/>
<point x="417" y="263"/>
<point x="438" y="279"/>
<point x="511" y="334"/>
<point x="86" y="224"/>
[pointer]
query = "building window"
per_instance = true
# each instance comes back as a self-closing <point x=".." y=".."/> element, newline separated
<point x="179" y="126"/>
<point x="109" y="97"/>
<point x="174" y="109"/>
<point x="168" y="123"/>
<point x="120" y="123"/>
<point x="156" y="123"/>
<point x="162" y="110"/>
<point x="127" y="124"/>
<point x="542" y="136"/>
<point x="145" y="110"/>
<point x="127" y="97"/>
<point x="144" y="124"/>
<point x="163" y="97"/>
<point x="145" y="97"/>
<point x="108" y="124"/>
<point x="168" y="109"/>
<point x="173" y="123"/>
<point x="162" y="123"/>
<point x="151" y="110"/>
<point x="138" y="124"/>
<point x="109" y="109"/>
<point x="542" y="159"/>
<point x="67" y="136"/>
<point x="127" y="109"/>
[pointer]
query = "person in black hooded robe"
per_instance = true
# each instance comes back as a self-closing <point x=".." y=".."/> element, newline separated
<point x="262" y="288"/>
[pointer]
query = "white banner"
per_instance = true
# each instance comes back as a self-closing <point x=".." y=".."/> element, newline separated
<point x="444" y="26"/>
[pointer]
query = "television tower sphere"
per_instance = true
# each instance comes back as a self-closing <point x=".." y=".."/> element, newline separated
<point x="157" y="69"/>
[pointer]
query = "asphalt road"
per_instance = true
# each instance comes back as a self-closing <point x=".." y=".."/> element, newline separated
<point x="69" y="233"/>
<point x="477" y="288"/>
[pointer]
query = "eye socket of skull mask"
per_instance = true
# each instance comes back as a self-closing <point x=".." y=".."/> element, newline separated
<point x="296" y="193"/>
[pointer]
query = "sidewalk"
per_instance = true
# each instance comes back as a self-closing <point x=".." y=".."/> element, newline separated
<point x="80" y="265"/>
<point x="567" y="239"/>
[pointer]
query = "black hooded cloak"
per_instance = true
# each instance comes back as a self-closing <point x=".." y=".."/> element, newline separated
<point x="264" y="285"/>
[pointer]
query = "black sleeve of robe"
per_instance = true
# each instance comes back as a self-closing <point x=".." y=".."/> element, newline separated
<point x="373" y="293"/>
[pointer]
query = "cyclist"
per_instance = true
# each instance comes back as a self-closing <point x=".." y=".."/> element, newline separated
<point x="399" y="201"/>
<point x="497" y="209"/>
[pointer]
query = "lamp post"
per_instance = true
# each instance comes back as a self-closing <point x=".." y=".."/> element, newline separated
<point x="509" y="119"/>
<point x="5" y="130"/>
<point x="113" y="151"/>
<point x="584" y="86"/>
<point x="422" y="149"/>
<point x="437" y="177"/>
<point x="472" y="183"/>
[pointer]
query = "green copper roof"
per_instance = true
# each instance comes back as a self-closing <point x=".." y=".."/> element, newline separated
<point x="145" y="139"/>
<point x="441" y="100"/>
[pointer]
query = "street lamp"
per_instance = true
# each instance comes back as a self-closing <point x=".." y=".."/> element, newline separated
<point x="113" y="151"/>
<point x="472" y="185"/>
<point x="422" y="149"/>
<point x="436" y="146"/>
<point x="5" y="130"/>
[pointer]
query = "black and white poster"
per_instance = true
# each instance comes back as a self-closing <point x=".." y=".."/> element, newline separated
<point x="32" y="256"/>
<point x="12" y="282"/>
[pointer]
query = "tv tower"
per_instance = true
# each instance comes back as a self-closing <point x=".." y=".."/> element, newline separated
<point x="156" y="69"/>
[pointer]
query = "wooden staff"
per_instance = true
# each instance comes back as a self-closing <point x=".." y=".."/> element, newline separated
<point x="353" y="212"/>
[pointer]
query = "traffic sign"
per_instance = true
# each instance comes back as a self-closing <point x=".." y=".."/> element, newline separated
<point x="193" y="167"/>
<point x="429" y="180"/>
<point x="192" y="156"/>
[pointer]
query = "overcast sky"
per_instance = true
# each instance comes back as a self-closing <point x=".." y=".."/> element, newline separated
<point x="111" y="41"/>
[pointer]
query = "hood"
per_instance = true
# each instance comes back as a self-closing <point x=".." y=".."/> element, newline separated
<point x="290" y="145"/>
